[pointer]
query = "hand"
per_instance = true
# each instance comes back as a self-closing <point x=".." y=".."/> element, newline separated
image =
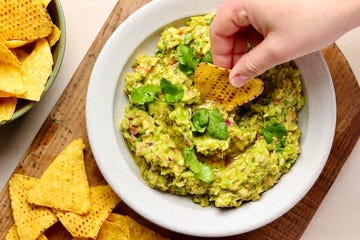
<point x="279" y="30"/>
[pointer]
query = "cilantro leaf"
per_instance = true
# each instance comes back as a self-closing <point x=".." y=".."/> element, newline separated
<point x="186" y="58"/>
<point x="267" y="135"/>
<point x="273" y="129"/>
<point x="200" y="120"/>
<point x="207" y="57"/>
<point x="144" y="94"/>
<point x="188" y="37"/>
<point x="208" y="21"/>
<point x="173" y="93"/>
<point x="202" y="171"/>
<point x="210" y="121"/>
<point x="217" y="127"/>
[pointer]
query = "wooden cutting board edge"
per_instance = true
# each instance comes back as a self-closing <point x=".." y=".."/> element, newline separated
<point x="67" y="121"/>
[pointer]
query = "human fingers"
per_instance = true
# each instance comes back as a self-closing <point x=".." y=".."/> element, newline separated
<point x="229" y="20"/>
<point x="240" y="47"/>
<point x="244" y="41"/>
<point x="265" y="55"/>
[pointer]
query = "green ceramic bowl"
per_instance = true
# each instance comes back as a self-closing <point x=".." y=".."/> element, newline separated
<point x="56" y="12"/>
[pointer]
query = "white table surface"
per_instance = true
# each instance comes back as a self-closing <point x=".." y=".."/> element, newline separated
<point x="339" y="214"/>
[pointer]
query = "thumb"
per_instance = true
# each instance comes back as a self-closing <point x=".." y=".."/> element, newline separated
<point x="255" y="62"/>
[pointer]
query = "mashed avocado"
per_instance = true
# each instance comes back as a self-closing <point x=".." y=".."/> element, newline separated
<point x="185" y="146"/>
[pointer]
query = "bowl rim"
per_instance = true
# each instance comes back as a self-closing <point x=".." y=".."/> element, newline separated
<point x="104" y="139"/>
<point x="59" y="48"/>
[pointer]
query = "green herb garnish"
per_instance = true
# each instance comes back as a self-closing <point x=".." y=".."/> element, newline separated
<point x="186" y="58"/>
<point x="187" y="38"/>
<point x="211" y="121"/>
<point x="144" y="94"/>
<point x="202" y="171"/>
<point x="173" y="93"/>
<point x="208" y="21"/>
<point x="273" y="129"/>
<point x="200" y="120"/>
<point x="207" y="57"/>
<point x="217" y="128"/>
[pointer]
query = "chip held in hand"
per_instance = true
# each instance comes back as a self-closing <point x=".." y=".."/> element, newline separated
<point x="213" y="84"/>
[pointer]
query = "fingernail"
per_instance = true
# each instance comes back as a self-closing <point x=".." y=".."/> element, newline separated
<point x="238" y="80"/>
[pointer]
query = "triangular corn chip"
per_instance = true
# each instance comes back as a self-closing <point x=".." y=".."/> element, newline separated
<point x="36" y="69"/>
<point x="42" y="237"/>
<point x="7" y="108"/>
<point x="11" y="79"/>
<point x="118" y="226"/>
<point x="5" y="94"/>
<point x="20" y="54"/>
<point x="64" y="185"/>
<point x="17" y="43"/>
<point x="114" y="228"/>
<point x="30" y="220"/>
<point x="46" y="2"/>
<point x="6" y="56"/>
<point x="213" y="84"/>
<point x="139" y="231"/>
<point x="103" y="200"/>
<point x="54" y="36"/>
<point x="13" y="235"/>
<point x="24" y="20"/>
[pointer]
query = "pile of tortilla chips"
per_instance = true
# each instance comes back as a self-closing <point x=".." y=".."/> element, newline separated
<point x="63" y="194"/>
<point x="27" y="34"/>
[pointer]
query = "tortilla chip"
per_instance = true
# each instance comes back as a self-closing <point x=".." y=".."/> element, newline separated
<point x="36" y="69"/>
<point x="121" y="227"/>
<point x="45" y="2"/>
<point x="5" y="94"/>
<point x="11" y="80"/>
<point x="115" y="227"/>
<point x="17" y="43"/>
<point x="2" y="39"/>
<point x="20" y="54"/>
<point x="7" y="56"/>
<point x="103" y="200"/>
<point x="13" y="235"/>
<point x="7" y="108"/>
<point x="24" y="20"/>
<point x="54" y="36"/>
<point x="64" y="185"/>
<point x="213" y="84"/>
<point x="30" y="220"/>
<point x="138" y="231"/>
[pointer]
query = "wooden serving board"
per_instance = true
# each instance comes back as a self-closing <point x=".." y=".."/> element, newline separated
<point x="67" y="122"/>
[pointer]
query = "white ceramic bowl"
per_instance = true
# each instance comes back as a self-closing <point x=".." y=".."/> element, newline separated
<point x="105" y="107"/>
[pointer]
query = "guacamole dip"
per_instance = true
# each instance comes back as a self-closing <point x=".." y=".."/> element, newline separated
<point x="186" y="146"/>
